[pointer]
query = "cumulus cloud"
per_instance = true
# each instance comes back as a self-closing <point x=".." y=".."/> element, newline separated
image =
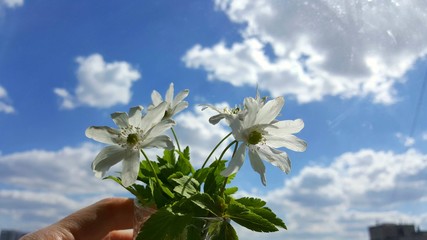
<point x="12" y="3"/>
<point x="100" y="84"/>
<point x="38" y="187"/>
<point x="357" y="190"/>
<point x="5" y="105"/>
<point x="319" y="48"/>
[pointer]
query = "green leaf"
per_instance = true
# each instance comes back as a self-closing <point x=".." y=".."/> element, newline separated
<point x="161" y="194"/>
<point x="168" y="158"/>
<point x="165" y="224"/>
<point x="231" y="190"/>
<point x="187" y="186"/>
<point x="201" y="174"/>
<point x="183" y="163"/>
<point x="205" y="201"/>
<point x="145" y="169"/>
<point x="215" y="181"/>
<point x="245" y="217"/>
<point x="221" y="230"/>
<point x="267" y="214"/>
<point x="251" y="202"/>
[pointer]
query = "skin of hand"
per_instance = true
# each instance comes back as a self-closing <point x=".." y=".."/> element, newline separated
<point x="108" y="219"/>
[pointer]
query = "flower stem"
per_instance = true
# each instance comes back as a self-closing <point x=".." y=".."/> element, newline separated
<point x="176" y="139"/>
<point x="226" y="148"/>
<point x="151" y="166"/>
<point x="207" y="159"/>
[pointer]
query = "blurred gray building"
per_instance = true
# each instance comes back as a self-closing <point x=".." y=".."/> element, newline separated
<point x="396" y="232"/>
<point x="11" y="235"/>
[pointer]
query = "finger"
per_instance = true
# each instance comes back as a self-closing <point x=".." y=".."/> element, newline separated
<point x="97" y="220"/>
<point x="120" y="235"/>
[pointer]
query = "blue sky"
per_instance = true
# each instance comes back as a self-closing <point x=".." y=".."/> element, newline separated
<point x="353" y="71"/>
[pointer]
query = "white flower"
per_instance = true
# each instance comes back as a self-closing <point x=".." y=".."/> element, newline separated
<point x="135" y="132"/>
<point x="174" y="105"/>
<point x="229" y="114"/>
<point x="261" y="134"/>
<point x="225" y="113"/>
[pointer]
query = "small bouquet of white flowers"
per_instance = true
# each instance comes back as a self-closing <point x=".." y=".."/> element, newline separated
<point x="194" y="203"/>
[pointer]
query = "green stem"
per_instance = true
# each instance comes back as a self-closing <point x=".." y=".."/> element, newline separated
<point x="226" y="148"/>
<point x="207" y="159"/>
<point x="151" y="166"/>
<point x="176" y="139"/>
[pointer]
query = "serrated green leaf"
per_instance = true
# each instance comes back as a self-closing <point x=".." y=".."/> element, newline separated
<point x="251" y="202"/>
<point x="269" y="215"/>
<point x="245" y="217"/>
<point x="221" y="230"/>
<point x="165" y="224"/>
<point x="145" y="169"/>
<point x="187" y="186"/>
<point x="183" y="163"/>
<point x="214" y="180"/>
<point x="201" y="174"/>
<point x="168" y="157"/>
<point x="205" y="201"/>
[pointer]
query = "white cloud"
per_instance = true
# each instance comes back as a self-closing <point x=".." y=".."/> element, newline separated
<point x="38" y="187"/>
<point x="101" y="84"/>
<point x="424" y="136"/>
<point x="52" y="170"/>
<point x="5" y="106"/>
<point x="357" y="190"/>
<point x="407" y="141"/>
<point x="320" y="48"/>
<point x="12" y="3"/>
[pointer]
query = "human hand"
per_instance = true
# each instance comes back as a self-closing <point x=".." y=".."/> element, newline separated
<point x="108" y="219"/>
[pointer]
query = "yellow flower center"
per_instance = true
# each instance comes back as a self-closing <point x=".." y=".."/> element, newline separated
<point x="254" y="137"/>
<point x="132" y="139"/>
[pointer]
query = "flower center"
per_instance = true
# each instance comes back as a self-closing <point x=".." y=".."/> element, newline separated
<point x="254" y="137"/>
<point x="235" y="110"/>
<point x="132" y="139"/>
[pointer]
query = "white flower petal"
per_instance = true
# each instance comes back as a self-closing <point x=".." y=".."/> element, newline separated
<point x="216" y="118"/>
<point x="105" y="135"/>
<point x="135" y="115"/>
<point x="179" y="107"/>
<point x="286" y="127"/>
<point x="181" y="95"/>
<point x="288" y="141"/>
<point x="160" y="128"/>
<point x="161" y="141"/>
<point x="105" y="159"/>
<point x="252" y="108"/>
<point x="236" y="162"/>
<point x="257" y="165"/>
<point x="153" y="116"/>
<point x="121" y="119"/>
<point x="169" y="94"/>
<point x="277" y="158"/>
<point x="237" y="129"/>
<point x="270" y="111"/>
<point x="205" y="106"/>
<point x="130" y="168"/>
<point x="156" y="98"/>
